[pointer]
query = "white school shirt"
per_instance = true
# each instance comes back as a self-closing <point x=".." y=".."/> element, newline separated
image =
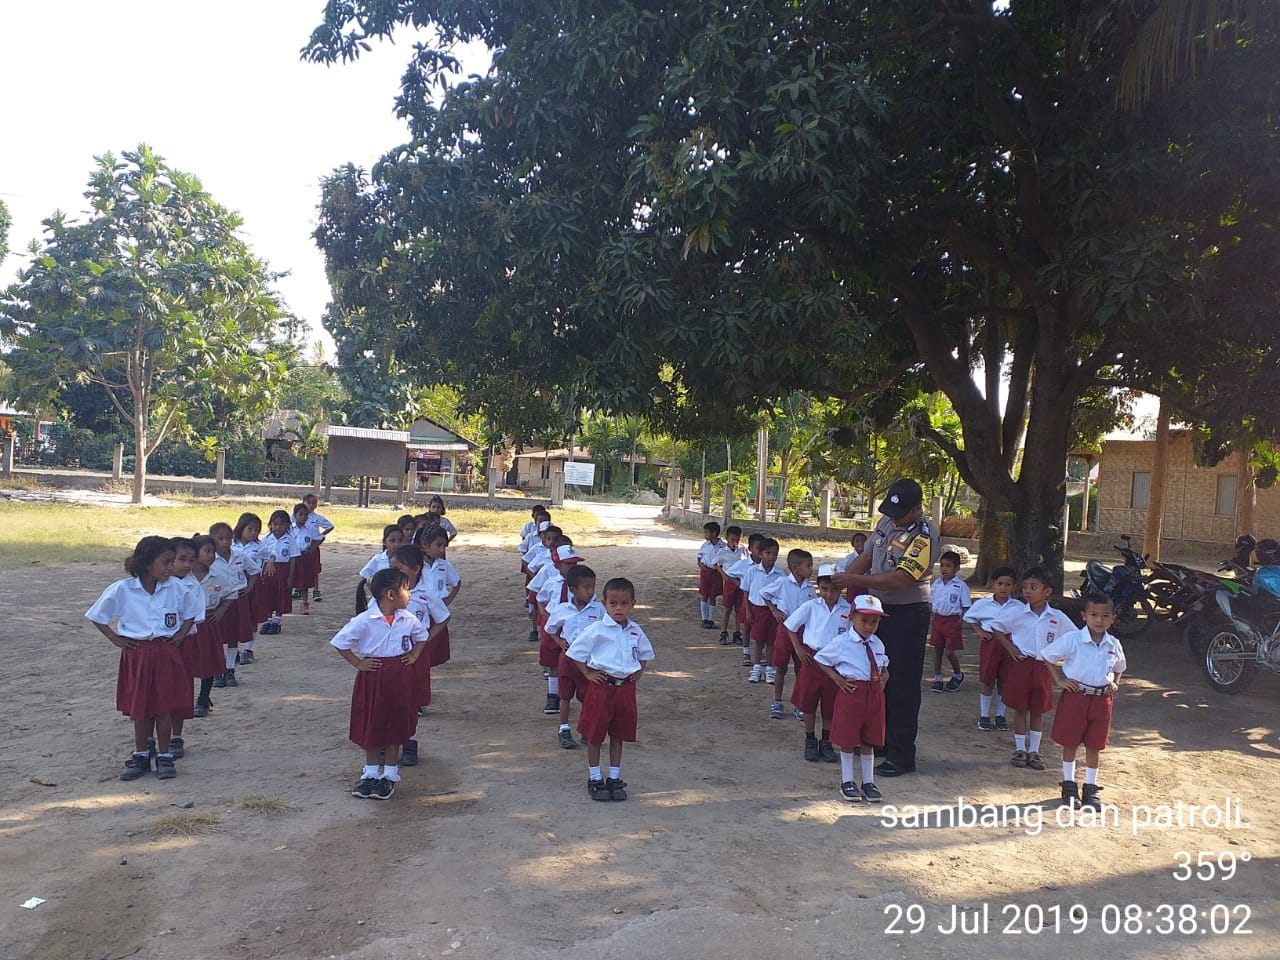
<point x="619" y="649"/>
<point x="949" y="598"/>
<point x="369" y="635"/>
<point x="248" y="555"/>
<point x="231" y="574"/>
<point x="445" y="575"/>
<point x="538" y="557"/>
<point x="539" y="579"/>
<point x="758" y="578"/>
<point x="727" y="556"/>
<point x="447" y="527"/>
<point x="192" y="584"/>
<point x="316" y="523"/>
<point x="843" y="565"/>
<point x="425" y="603"/>
<point x="739" y="569"/>
<point x="379" y="561"/>
<point x="303" y="536"/>
<point x="1030" y="632"/>
<point x="140" y="615"/>
<point x="846" y="654"/>
<point x="567" y="620"/>
<point x="707" y="553"/>
<point x="530" y="526"/>
<point x="551" y="589"/>
<point x="530" y="541"/>
<point x="212" y="587"/>
<point x="279" y="549"/>
<point x="1082" y="660"/>
<point x="786" y="593"/>
<point x="987" y="610"/>
<point x="821" y="623"/>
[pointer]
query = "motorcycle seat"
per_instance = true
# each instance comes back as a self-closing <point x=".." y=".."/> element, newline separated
<point x="1256" y="607"/>
<point x="1098" y="572"/>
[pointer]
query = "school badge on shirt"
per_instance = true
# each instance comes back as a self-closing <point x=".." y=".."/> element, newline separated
<point x="170" y="620"/>
<point x="406" y="644"/>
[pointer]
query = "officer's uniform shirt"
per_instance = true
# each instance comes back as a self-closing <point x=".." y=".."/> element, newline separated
<point x="369" y="635"/>
<point x="619" y="649"/>
<point x="911" y="549"/>
<point x="1082" y="660"/>
<point x="140" y="615"/>
<point x="821" y="623"/>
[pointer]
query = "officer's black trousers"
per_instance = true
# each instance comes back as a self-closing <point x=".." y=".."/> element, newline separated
<point x="904" y="633"/>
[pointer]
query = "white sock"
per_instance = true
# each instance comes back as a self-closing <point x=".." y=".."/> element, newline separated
<point x="247" y="645"/>
<point x="937" y="678"/>
<point x="702" y="606"/>
<point x="553" y="684"/>
<point x="391" y="771"/>
<point x="746" y="651"/>
<point x="1091" y="775"/>
<point x="564" y="727"/>
<point x="1068" y="770"/>
<point x="613" y="772"/>
<point x="846" y="767"/>
<point x="414" y="737"/>
<point x="1020" y="742"/>
<point x="231" y="658"/>
<point x="999" y="706"/>
<point x="984" y="705"/>
<point x="593" y="773"/>
<point x="370" y="772"/>
<point x="868" y="759"/>
<point x="1033" y="740"/>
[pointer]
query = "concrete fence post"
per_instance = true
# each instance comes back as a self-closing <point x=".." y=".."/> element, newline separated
<point x="117" y="462"/>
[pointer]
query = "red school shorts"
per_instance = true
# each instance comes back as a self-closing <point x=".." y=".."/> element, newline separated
<point x="730" y="594"/>
<point x="152" y="680"/>
<point x="548" y="650"/>
<point x="609" y="710"/>
<point x="383" y="711"/>
<point x="946" y="633"/>
<point x="763" y="626"/>
<point x="993" y="663"/>
<point x="815" y="690"/>
<point x="710" y="583"/>
<point x="783" y="651"/>
<point x="1082" y="718"/>
<point x="859" y="716"/>
<point x="1028" y="686"/>
<point x="570" y="680"/>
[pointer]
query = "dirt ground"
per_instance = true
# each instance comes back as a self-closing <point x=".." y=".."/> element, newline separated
<point x="730" y="846"/>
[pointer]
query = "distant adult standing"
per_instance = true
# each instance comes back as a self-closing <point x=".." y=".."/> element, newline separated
<point x="897" y="566"/>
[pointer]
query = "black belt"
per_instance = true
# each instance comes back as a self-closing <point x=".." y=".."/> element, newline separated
<point x="614" y="681"/>
<point x="1093" y="691"/>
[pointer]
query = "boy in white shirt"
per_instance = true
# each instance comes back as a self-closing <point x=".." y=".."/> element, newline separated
<point x="612" y="654"/>
<point x="763" y="624"/>
<point x="856" y="662"/>
<point x="859" y="543"/>
<point x="564" y="622"/>
<point x="735" y="575"/>
<point x="1028" y="688"/>
<point x="1087" y="664"/>
<point x="813" y="625"/>
<point x="730" y="552"/>
<point x="949" y="598"/>
<point x="710" y="584"/>
<point x="782" y="596"/>
<point x="993" y="663"/>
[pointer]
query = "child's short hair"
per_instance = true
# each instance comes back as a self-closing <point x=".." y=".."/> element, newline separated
<point x="310" y="496"/>
<point x="619" y="585"/>
<point x="1098" y="599"/>
<point x="202" y="540"/>
<point x="559" y="541"/>
<point x="538" y="509"/>
<point x="388" y="579"/>
<point x="853" y="541"/>
<point x="148" y="550"/>
<point x="405" y="518"/>
<point x="580" y="573"/>
<point x="712" y="526"/>
<point x="553" y="532"/>
<point x="300" y="506"/>
<point x="797" y="555"/>
<point x="755" y="539"/>
<point x="952" y="556"/>
<point x="410" y="554"/>
<point x="1038" y="574"/>
<point x="999" y="572"/>
<point x="768" y="543"/>
<point x="182" y="543"/>
<point x="420" y="518"/>
<point x="733" y="530"/>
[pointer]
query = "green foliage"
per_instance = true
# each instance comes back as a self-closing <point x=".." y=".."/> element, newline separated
<point x="6" y="222"/>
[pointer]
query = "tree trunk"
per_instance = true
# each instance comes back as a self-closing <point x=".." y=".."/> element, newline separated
<point x="1155" y="500"/>
<point x="993" y="544"/>
<point x="139" y="462"/>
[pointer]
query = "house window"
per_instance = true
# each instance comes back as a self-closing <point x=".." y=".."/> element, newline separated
<point x="1140" y="494"/>
<point x="1227" y="487"/>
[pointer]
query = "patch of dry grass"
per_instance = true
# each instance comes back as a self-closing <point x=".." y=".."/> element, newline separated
<point x="184" y="825"/>
<point x="258" y="803"/>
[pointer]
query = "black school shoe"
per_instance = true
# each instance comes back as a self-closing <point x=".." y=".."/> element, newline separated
<point x="177" y="746"/>
<point x="552" y="705"/>
<point x="533" y="635"/>
<point x="812" y="752"/>
<point x="200" y="709"/>
<point x="891" y="769"/>
<point x="1070" y="794"/>
<point x="409" y="754"/>
<point x="364" y="789"/>
<point x="220" y="680"/>
<point x="596" y="790"/>
<point x="566" y="740"/>
<point x="165" y="769"/>
<point x="383" y="789"/>
<point x="1090" y="797"/>
<point x="871" y="793"/>
<point x="231" y="679"/>
<point x="827" y="752"/>
<point x="247" y="657"/>
<point x="138" y="765"/>
<point x="954" y="683"/>
<point x="1002" y="724"/>
<point x="617" y="789"/>
<point x="724" y="638"/>
<point x="851" y="792"/>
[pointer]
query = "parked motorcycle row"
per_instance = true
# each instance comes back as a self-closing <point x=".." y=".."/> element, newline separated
<point x="1230" y="620"/>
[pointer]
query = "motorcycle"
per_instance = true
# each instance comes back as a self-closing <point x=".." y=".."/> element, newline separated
<point x="1246" y="641"/>
<point x="1206" y="617"/>
<point x="1126" y="586"/>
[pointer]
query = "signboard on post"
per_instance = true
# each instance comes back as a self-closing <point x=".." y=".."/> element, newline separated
<point x="579" y="474"/>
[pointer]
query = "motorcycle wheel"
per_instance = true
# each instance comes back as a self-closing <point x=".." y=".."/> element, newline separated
<point x="1133" y="619"/>
<point x="1228" y="675"/>
<point x="1195" y="634"/>
<point x="1166" y="599"/>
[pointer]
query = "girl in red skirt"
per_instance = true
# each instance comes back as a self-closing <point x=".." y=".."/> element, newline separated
<point x="443" y="577"/>
<point x="306" y="573"/>
<point x="279" y="567"/>
<point x="383" y="644"/>
<point x="247" y="551"/>
<point x="426" y="605"/>
<point x="207" y="653"/>
<point x="238" y="621"/>
<point x="152" y="615"/>
<point x="184" y="556"/>
<point x="856" y="663"/>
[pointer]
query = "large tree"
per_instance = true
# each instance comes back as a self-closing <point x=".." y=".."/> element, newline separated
<point x="154" y="298"/>
<point x="6" y="221"/>
<point x="699" y="207"/>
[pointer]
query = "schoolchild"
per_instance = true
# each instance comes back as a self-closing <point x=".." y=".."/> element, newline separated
<point x="152" y="614"/>
<point x="856" y="662"/>
<point x="306" y="572"/>
<point x="436" y="505"/>
<point x="383" y="643"/>
<point x="710" y="582"/>
<point x="1024" y="632"/>
<point x="736" y="575"/>
<point x="249" y="552"/>
<point x="993" y="663"/>
<point x="763" y="625"/>
<point x="611" y="653"/>
<point x="564" y="622"/>
<point x="279" y="568"/>
<point x="426" y="605"/>
<point x="1087" y="665"/>
<point x="237" y="621"/>
<point x="211" y="651"/>
<point x="859" y="543"/>
<point x="184" y="556"/>
<point x="730" y="552"/>
<point x="391" y="538"/>
<point x="810" y="627"/>
<point x="441" y="576"/>
<point x="949" y="598"/>
<point x="321" y="528"/>
<point x="782" y="596"/>
<point x="554" y="591"/>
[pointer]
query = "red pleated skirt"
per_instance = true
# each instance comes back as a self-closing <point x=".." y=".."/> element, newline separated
<point x="438" y="649"/>
<point x="383" y="711"/>
<point x="152" y="681"/>
<point x="202" y="651"/>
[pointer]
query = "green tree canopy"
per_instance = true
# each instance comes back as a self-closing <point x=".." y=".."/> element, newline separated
<point x="689" y="210"/>
<point x="155" y="299"/>
<point x="6" y="222"/>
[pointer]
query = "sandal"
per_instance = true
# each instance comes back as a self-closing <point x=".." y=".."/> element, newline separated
<point x="1035" y="761"/>
<point x="1019" y="758"/>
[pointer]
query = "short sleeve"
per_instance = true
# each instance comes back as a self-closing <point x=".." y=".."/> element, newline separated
<point x="106" y="608"/>
<point x="917" y="559"/>
<point x="797" y="618"/>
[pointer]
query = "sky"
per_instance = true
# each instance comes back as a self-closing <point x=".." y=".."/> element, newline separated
<point x="217" y="90"/>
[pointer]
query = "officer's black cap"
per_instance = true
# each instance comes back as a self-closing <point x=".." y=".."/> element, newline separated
<point x="902" y="498"/>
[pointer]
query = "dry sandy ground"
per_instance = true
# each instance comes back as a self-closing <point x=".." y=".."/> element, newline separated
<point x="731" y="845"/>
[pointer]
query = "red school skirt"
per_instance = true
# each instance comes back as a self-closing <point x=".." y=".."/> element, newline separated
<point x="202" y="652"/>
<point x="859" y="716"/>
<point x="152" y="680"/>
<point x="261" y="601"/>
<point x="237" y="623"/>
<point x="438" y="649"/>
<point x="306" y="570"/>
<point x="383" y="711"/>
<point x="421" y="669"/>
<point x="277" y="590"/>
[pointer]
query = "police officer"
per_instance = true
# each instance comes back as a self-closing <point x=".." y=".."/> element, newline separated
<point x="897" y="567"/>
